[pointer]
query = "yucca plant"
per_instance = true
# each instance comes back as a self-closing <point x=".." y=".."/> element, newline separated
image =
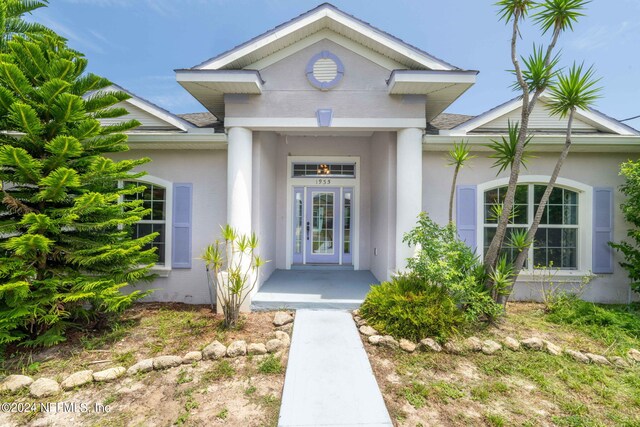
<point x="458" y="157"/>
<point x="501" y="278"/>
<point x="576" y="89"/>
<point x="66" y="249"/>
<point x="504" y="149"/>
<point x="534" y="76"/>
<point x="232" y="266"/>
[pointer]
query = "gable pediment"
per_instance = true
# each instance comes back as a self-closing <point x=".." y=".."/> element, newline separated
<point x="324" y="18"/>
<point x="150" y="116"/>
<point x="589" y="121"/>
<point x="540" y="120"/>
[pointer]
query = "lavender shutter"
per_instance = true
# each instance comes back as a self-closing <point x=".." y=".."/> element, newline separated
<point x="466" y="218"/>
<point x="602" y="230"/>
<point x="182" y="207"/>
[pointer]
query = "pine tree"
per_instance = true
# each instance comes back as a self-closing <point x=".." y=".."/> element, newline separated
<point x="66" y="247"/>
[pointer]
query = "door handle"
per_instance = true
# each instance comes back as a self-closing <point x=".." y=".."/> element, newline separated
<point x="307" y="230"/>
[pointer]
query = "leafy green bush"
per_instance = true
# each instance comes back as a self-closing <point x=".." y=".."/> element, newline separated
<point x="412" y="308"/>
<point x="631" y="210"/>
<point x="444" y="260"/>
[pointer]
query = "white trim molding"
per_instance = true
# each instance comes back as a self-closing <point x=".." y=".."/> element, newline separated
<point x="327" y="16"/>
<point x="585" y="218"/>
<point x="151" y="108"/>
<point x="163" y="270"/>
<point x="591" y="116"/>
<point x="311" y="123"/>
<point x="593" y="143"/>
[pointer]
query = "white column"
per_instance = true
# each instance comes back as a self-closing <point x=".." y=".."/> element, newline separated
<point x="408" y="189"/>
<point x="239" y="164"/>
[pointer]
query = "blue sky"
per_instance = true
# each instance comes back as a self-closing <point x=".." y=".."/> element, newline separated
<point x="138" y="43"/>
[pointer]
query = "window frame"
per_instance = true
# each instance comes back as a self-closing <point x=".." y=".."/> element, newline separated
<point x="585" y="220"/>
<point x="168" y="218"/>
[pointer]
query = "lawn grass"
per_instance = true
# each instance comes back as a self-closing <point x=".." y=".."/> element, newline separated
<point x="524" y="387"/>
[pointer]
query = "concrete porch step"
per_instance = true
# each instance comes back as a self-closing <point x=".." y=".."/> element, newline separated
<point x="276" y="302"/>
<point x="314" y="289"/>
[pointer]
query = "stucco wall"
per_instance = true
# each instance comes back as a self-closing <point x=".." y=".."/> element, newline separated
<point x="207" y="171"/>
<point x="265" y="161"/>
<point x="593" y="169"/>
<point x="383" y="202"/>
<point x="362" y="93"/>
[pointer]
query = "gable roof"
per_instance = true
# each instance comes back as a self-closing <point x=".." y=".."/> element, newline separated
<point x="446" y="121"/>
<point x="159" y="117"/>
<point x="204" y="120"/>
<point x="324" y="16"/>
<point x="590" y="117"/>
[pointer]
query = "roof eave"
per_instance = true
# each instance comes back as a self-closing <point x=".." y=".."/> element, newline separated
<point x="326" y="11"/>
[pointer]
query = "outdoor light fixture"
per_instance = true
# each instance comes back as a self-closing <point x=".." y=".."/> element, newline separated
<point x="324" y="170"/>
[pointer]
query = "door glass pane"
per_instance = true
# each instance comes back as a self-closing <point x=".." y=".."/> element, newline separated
<point x="322" y="221"/>
<point x="298" y="222"/>
<point x="347" y="222"/>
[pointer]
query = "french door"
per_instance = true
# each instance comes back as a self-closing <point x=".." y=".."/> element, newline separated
<point x="322" y="225"/>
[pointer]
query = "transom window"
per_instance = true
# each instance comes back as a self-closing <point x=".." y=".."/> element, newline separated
<point x="154" y="198"/>
<point x="329" y="170"/>
<point x="556" y="241"/>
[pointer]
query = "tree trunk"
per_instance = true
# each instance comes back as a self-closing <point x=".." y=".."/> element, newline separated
<point x="493" y="252"/>
<point x="491" y="257"/>
<point x="453" y="193"/>
<point x="522" y="256"/>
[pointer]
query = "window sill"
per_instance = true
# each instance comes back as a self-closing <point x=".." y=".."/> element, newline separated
<point x="161" y="271"/>
<point x="527" y="275"/>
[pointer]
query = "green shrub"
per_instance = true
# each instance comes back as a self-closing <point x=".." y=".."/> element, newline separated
<point x="412" y="308"/>
<point x="446" y="261"/>
<point x="631" y="210"/>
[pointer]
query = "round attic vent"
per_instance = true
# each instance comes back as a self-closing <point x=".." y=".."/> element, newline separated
<point x="325" y="70"/>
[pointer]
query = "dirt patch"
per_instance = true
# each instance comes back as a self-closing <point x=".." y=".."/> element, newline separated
<point x="233" y="392"/>
<point x="145" y="330"/>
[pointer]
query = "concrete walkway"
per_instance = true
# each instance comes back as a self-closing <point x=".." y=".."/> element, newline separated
<point x="329" y="381"/>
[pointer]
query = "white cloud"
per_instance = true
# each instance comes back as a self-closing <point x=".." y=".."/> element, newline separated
<point x="77" y="40"/>
<point x="599" y="36"/>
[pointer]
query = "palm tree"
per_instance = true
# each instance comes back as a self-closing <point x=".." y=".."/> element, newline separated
<point x="575" y="90"/>
<point x="12" y="19"/>
<point x="458" y="156"/>
<point x="556" y="16"/>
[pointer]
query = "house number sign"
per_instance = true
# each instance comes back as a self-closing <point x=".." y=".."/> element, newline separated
<point x="323" y="181"/>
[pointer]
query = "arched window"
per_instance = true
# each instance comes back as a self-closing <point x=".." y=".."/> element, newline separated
<point x="557" y="241"/>
<point x="156" y="198"/>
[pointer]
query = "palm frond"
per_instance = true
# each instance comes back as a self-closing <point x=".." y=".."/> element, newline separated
<point x="558" y="15"/>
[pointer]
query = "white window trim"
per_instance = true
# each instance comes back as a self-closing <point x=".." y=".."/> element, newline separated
<point x="585" y="218"/>
<point x="163" y="270"/>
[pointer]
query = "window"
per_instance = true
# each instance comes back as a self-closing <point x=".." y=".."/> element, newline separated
<point x="154" y="197"/>
<point x="329" y="170"/>
<point x="556" y="241"/>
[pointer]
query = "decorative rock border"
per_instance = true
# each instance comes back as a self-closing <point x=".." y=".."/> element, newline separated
<point x="46" y="387"/>
<point x="490" y="347"/>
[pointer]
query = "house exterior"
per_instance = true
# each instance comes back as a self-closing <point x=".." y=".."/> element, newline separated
<point x="327" y="137"/>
